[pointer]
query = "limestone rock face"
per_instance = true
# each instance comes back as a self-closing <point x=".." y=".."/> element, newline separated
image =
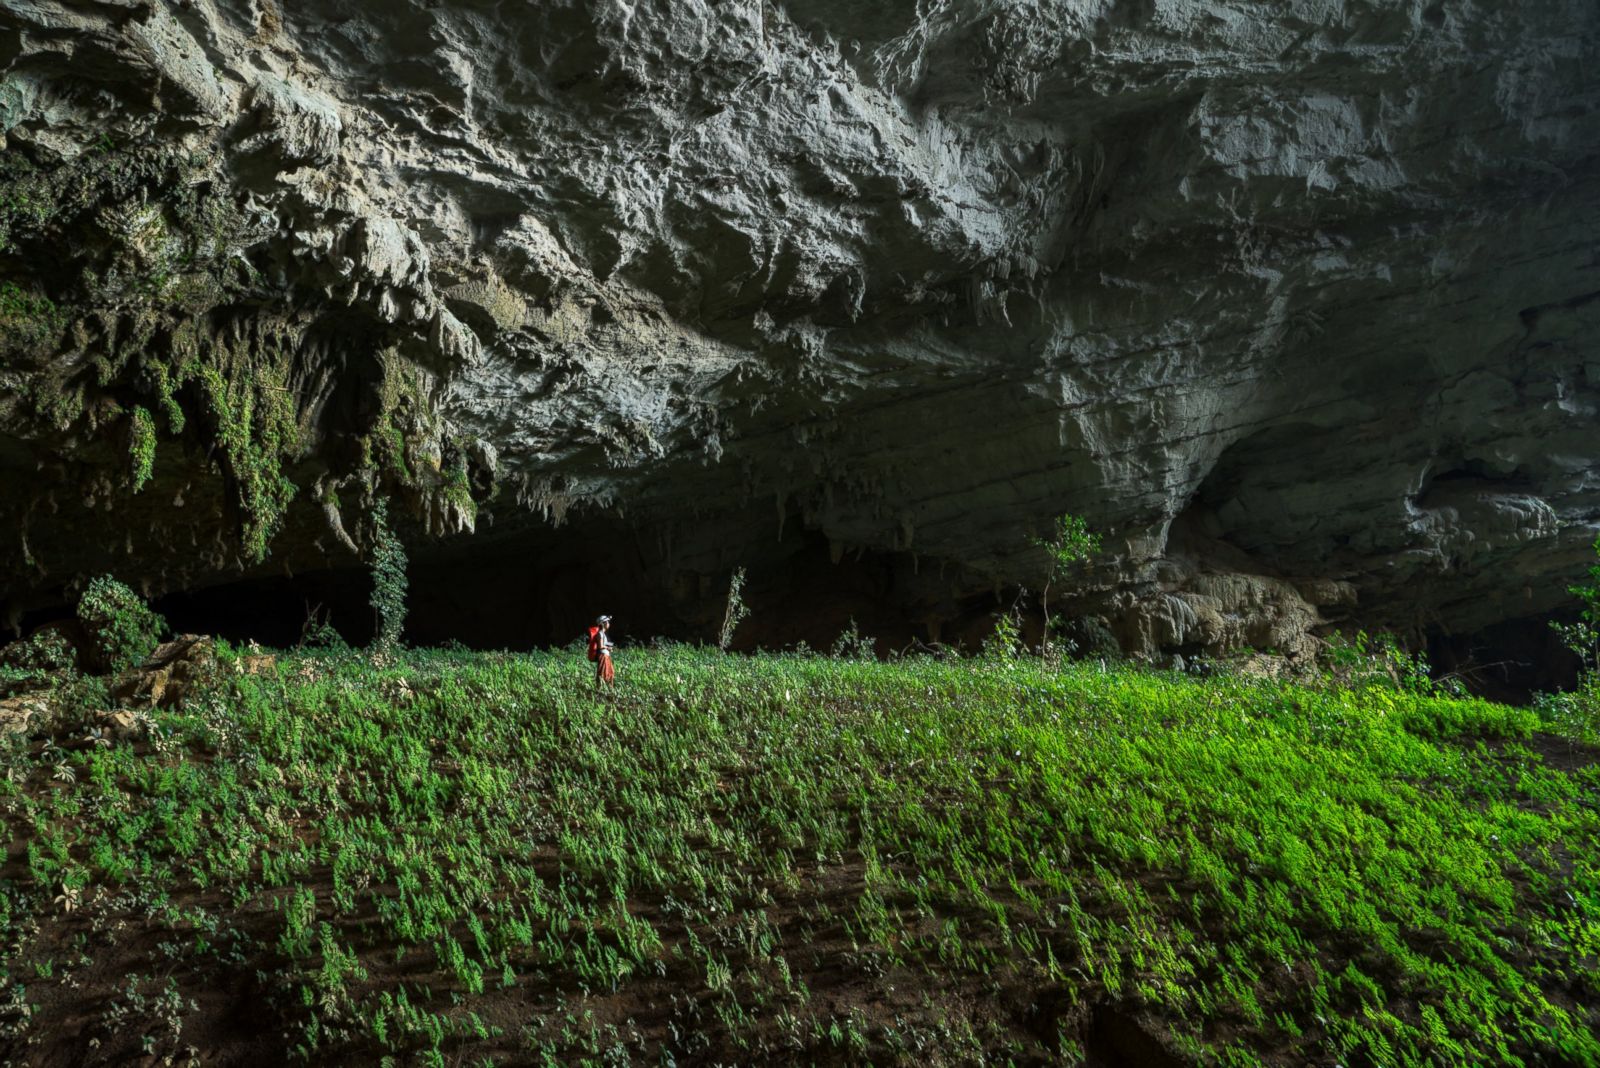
<point x="1299" y="303"/>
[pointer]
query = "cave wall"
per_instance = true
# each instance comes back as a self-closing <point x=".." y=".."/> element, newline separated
<point x="1296" y="301"/>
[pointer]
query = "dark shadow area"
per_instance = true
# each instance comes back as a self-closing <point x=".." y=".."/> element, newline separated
<point x="540" y="586"/>
<point x="1510" y="661"/>
<point x="1116" y="1039"/>
<point x="543" y="587"/>
<point x="274" y="611"/>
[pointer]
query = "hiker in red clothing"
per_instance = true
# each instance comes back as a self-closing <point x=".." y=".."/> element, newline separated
<point x="600" y="653"/>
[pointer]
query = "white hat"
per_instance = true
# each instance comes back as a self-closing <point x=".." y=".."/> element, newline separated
<point x="602" y="619"/>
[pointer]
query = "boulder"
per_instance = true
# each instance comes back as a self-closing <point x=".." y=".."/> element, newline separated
<point x="27" y="714"/>
<point x="170" y="674"/>
<point x="120" y="725"/>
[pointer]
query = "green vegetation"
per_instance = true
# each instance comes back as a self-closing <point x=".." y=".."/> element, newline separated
<point x="1578" y="713"/>
<point x="123" y="629"/>
<point x="735" y="611"/>
<point x="1367" y="659"/>
<point x="1070" y="543"/>
<point x="39" y="661"/>
<point x="405" y="417"/>
<point x="155" y="246"/>
<point x="204" y="342"/>
<point x="457" y="490"/>
<point x="388" y="562"/>
<point x="142" y="447"/>
<point x="257" y="428"/>
<point x="469" y="858"/>
<point x="27" y="318"/>
<point x="166" y="396"/>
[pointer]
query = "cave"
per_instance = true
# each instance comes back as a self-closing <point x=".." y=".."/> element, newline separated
<point x="1220" y="330"/>
<point x="532" y="591"/>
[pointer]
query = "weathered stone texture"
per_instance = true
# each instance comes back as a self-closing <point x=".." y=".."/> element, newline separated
<point x="1299" y="301"/>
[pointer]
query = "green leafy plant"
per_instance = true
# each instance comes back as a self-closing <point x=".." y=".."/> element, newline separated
<point x="44" y="654"/>
<point x="1006" y="639"/>
<point x="1070" y="543"/>
<point x="1577" y="712"/>
<point x="735" y="612"/>
<point x="388" y="563"/>
<point x="142" y="447"/>
<point x="123" y="629"/>
<point x="256" y="430"/>
<point x="1376" y="660"/>
<point x="851" y="644"/>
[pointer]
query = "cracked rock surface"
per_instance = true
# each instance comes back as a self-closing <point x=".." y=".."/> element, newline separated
<point x="1299" y="302"/>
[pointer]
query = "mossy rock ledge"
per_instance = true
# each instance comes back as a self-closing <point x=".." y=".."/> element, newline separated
<point x="1297" y="309"/>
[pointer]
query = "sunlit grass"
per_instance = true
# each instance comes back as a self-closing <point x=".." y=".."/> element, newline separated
<point x="472" y="856"/>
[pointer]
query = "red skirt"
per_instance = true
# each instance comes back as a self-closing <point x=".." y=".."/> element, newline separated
<point x="603" y="671"/>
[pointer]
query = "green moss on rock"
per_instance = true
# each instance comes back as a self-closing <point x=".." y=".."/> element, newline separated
<point x="142" y="447"/>
<point x="256" y="429"/>
<point x="121" y="627"/>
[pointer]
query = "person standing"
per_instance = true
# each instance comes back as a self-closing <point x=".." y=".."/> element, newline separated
<point x="600" y="653"/>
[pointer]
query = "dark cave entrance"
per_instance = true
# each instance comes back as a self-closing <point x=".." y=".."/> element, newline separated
<point x="537" y="586"/>
<point x="541" y="588"/>
<point x="1512" y="661"/>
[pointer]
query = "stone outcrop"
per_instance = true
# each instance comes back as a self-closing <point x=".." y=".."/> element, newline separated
<point x="1298" y="303"/>
<point x="174" y="671"/>
<point x="27" y="714"/>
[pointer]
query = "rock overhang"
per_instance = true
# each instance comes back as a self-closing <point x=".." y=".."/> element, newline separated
<point x="912" y="278"/>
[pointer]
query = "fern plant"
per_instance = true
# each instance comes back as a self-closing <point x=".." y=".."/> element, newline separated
<point x="388" y="563"/>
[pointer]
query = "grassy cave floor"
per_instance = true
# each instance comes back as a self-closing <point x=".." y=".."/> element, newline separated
<point x="469" y="858"/>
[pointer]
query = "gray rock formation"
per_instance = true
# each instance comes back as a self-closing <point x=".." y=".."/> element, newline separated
<point x="1297" y="301"/>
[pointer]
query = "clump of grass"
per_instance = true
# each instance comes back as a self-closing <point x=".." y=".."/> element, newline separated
<point x="452" y="857"/>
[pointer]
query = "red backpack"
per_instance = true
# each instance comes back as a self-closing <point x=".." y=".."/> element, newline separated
<point x="594" y="643"/>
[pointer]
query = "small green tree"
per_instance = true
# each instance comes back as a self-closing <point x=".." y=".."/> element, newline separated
<point x="121" y="627"/>
<point x="1589" y="593"/>
<point x="1070" y="543"/>
<point x="735" y="612"/>
<point x="1579" y="712"/>
<point x="388" y="562"/>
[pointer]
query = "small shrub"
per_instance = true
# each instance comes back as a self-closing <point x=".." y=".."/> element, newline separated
<point x="1070" y="543"/>
<point x="1376" y="660"/>
<point x="735" y="612"/>
<point x="1006" y="639"/>
<point x="388" y="579"/>
<point x="121" y="627"/>
<point x="40" y="661"/>
<point x="45" y="651"/>
<point x="142" y="448"/>
<point x="318" y="632"/>
<point x="1578" y="713"/>
<point x="851" y="644"/>
<point x="1575" y="713"/>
